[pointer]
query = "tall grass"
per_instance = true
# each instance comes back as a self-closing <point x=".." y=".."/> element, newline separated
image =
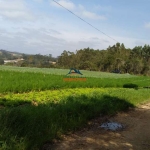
<point x="36" y="105"/>
<point x="12" y="81"/>
<point x="26" y="126"/>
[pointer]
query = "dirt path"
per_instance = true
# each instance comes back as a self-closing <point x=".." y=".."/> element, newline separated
<point x="135" y="136"/>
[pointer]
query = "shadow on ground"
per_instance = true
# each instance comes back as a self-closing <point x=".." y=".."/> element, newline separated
<point x="27" y="126"/>
<point x="135" y="136"/>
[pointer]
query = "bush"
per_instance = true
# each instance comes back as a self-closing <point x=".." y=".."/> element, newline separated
<point x="130" y="85"/>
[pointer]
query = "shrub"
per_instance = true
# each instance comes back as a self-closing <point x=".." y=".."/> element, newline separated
<point x="130" y="85"/>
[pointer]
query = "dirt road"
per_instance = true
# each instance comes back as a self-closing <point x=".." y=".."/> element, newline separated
<point x="135" y="135"/>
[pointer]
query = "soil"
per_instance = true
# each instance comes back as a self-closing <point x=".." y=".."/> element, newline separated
<point x="135" y="135"/>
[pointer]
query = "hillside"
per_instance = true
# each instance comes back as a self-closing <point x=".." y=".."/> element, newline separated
<point x="26" y="60"/>
<point x="7" y="55"/>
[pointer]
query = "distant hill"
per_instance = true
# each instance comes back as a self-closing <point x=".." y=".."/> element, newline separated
<point x="26" y="60"/>
<point x="7" y="55"/>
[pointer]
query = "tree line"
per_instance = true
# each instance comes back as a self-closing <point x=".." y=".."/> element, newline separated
<point x="38" y="60"/>
<point x="114" y="58"/>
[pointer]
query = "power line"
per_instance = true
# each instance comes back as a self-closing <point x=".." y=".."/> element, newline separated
<point x="84" y="21"/>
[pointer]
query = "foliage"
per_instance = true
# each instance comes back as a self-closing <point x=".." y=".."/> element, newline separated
<point x="36" y="105"/>
<point x="37" y="60"/>
<point x="8" y="55"/>
<point x="55" y="96"/>
<point x="130" y="85"/>
<point x="14" y="81"/>
<point x="1" y="61"/>
<point x="28" y="126"/>
<point x="116" y="57"/>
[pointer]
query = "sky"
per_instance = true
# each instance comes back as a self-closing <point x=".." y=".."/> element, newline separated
<point x="44" y="27"/>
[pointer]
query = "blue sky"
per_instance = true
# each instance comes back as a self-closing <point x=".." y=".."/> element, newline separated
<point x="42" y="26"/>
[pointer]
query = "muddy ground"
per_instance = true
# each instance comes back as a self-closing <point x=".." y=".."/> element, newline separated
<point x="135" y="135"/>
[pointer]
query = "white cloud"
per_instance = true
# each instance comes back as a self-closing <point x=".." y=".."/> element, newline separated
<point x="80" y="10"/>
<point x="147" y="25"/>
<point x="93" y="16"/>
<point x="49" y="34"/>
<point x="15" y="10"/>
<point x="103" y="8"/>
<point x="39" y="1"/>
<point x="66" y="3"/>
<point x="11" y="5"/>
<point x="16" y="15"/>
<point x="81" y="7"/>
<point x="33" y="40"/>
<point x="48" y="40"/>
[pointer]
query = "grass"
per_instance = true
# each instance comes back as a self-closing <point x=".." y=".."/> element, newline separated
<point x="55" y="96"/>
<point x="12" y="81"/>
<point x="37" y="106"/>
<point x="36" y="125"/>
<point x="63" y="72"/>
<point x="27" y="126"/>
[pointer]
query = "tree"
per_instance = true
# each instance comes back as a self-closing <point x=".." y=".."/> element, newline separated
<point x="1" y="61"/>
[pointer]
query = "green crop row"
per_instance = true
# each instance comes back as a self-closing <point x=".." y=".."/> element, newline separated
<point x="96" y="74"/>
<point x="55" y="96"/>
<point x="13" y="81"/>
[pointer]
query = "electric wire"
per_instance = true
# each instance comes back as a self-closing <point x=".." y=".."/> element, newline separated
<point x="84" y="21"/>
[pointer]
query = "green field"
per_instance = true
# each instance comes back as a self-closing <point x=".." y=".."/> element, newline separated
<point x="36" y="105"/>
<point x="65" y="71"/>
<point x="17" y="79"/>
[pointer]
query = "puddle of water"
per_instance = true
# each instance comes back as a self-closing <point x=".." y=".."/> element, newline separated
<point x="112" y="126"/>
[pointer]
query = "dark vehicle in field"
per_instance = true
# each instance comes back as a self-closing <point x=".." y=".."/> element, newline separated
<point x="116" y="71"/>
